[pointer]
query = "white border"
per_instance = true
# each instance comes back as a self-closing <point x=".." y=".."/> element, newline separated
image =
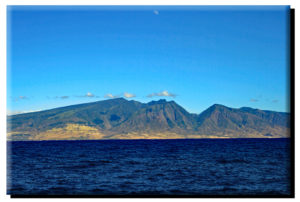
<point x="4" y="3"/>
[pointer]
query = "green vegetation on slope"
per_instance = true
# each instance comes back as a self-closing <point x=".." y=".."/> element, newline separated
<point x="122" y="119"/>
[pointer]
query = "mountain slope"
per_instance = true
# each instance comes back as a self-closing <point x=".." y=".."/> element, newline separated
<point x="244" y="122"/>
<point x="119" y="118"/>
<point x="159" y="116"/>
<point x="102" y="114"/>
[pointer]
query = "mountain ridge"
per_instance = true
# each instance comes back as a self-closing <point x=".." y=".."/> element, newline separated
<point x="217" y="104"/>
<point x="122" y="119"/>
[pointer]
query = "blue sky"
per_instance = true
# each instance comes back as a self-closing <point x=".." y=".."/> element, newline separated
<point x="197" y="56"/>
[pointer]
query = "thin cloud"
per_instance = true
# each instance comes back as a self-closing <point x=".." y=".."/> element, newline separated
<point x="253" y="100"/>
<point x="129" y="95"/>
<point x="152" y="95"/>
<point x="89" y="95"/>
<point x="162" y="94"/>
<point x="156" y="12"/>
<point x="63" y="97"/>
<point x="21" y="97"/>
<point x="109" y="95"/>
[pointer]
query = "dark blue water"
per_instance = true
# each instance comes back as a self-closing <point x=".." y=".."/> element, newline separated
<point x="201" y="167"/>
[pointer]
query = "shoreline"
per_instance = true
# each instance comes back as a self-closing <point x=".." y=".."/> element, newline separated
<point x="146" y="139"/>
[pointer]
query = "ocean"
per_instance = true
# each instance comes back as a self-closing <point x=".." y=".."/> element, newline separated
<point x="214" y="167"/>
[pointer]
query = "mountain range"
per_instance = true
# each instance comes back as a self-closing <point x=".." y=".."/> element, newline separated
<point x="122" y="119"/>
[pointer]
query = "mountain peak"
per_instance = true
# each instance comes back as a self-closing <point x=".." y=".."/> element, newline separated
<point x="247" y="109"/>
<point x="118" y="98"/>
<point x="161" y="101"/>
<point x="217" y="106"/>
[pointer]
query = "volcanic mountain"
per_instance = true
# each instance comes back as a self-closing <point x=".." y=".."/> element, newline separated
<point x="122" y="119"/>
